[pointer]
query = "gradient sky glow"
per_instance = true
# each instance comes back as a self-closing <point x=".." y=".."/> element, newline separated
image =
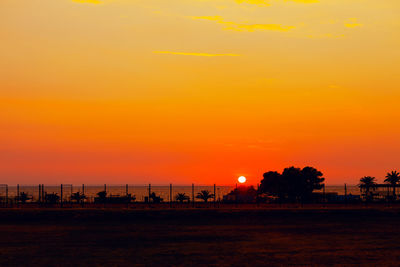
<point x="204" y="91"/>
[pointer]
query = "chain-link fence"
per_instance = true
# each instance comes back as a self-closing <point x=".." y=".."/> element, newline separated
<point x="70" y="195"/>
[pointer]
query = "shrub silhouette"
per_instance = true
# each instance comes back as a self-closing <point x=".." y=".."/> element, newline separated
<point x="130" y="197"/>
<point x="52" y="198"/>
<point x="155" y="198"/>
<point x="101" y="197"/>
<point x="242" y="194"/>
<point x="23" y="197"/>
<point x="78" y="197"/>
<point x="204" y="195"/>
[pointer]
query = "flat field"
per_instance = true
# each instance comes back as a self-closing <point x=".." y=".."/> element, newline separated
<point x="207" y="237"/>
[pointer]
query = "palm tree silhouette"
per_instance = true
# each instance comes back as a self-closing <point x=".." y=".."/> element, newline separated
<point x="78" y="197"/>
<point x="204" y="195"/>
<point x="181" y="197"/>
<point x="368" y="182"/>
<point x="393" y="178"/>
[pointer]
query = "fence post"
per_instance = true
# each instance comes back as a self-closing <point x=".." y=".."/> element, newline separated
<point x="215" y="195"/>
<point x="61" y="196"/>
<point x="43" y="196"/>
<point x="149" y="193"/>
<point x="345" y="194"/>
<point x="193" y="195"/>
<point x="6" y="195"/>
<point x="127" y="198"/>
<point x="236" y="196"/>
<point x="257" y="196"/>
<point x="170" y="195"/>
<point x="17" y="194"/>
<point x="83" y="194"/>
<point x="105" y="187"/>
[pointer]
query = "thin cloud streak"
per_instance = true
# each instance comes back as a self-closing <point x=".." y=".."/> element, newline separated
<point x="245" y="27"/>
<point x="195" y="54"/>
<point x="87" y="1"/>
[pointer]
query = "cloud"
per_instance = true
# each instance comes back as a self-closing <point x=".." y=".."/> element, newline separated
<point x="326" y="36"/>
<point x="303" y="1"/>
<point x="195" y="54"/>
<point x="246" y="27"/>
<point x="254" y="2"/>
<point x="352" y="23"/>
<point x="87" y="1"/>
<point x="267" y="2"/>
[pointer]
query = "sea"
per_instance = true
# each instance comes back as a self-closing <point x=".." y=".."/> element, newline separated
<point x="141" y="191"/>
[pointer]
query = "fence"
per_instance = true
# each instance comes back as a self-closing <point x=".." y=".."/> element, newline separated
<point x="68" y="194"/>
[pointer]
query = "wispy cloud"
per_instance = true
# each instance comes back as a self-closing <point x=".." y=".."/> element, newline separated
<point x="195" y="54"/>
<point x="352" y="23"/>
<point x="246" y="27"/>
<point x="303" y="1"/>
<point x="87" y="1"/>
<point x="326" y="36"/>
<point x="268" y="2"/>
<point x="254" y="2"/>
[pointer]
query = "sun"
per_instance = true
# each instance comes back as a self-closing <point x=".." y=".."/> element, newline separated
<point x="242" y="179"/>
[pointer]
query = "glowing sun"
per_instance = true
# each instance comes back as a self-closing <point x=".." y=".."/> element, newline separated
<point x="242" y="179"/>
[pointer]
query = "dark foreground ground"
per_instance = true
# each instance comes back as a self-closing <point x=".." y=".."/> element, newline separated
<point x="187" y="237"/>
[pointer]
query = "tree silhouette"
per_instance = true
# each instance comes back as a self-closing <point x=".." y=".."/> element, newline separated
<point x="368" y="182"/>
<point x="271" y="184"/>
<point x="241" y="194"/>
<point x="293" y="184"/>
<point x="181" y="197"/>
<point x="23" y="197"/>
<point x="102" y="196"/>
<point x="393" y="178"/>
<point x="130" y="197"/>
<point x="155" y="198"/>
<point x="204" y="195"/>
<point x="52" y="198"/>
<point x="78" y="197"/>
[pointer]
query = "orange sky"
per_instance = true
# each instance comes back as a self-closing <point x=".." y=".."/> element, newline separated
<point x="182" y="91"/>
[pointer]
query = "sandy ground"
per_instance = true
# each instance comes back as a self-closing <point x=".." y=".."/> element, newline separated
<point x="207" y="237"/>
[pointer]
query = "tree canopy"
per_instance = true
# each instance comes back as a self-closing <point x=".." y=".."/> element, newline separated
<point x="293" y="183"/>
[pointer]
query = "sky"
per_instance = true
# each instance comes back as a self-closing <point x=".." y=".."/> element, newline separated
<point x="197" y="91"/>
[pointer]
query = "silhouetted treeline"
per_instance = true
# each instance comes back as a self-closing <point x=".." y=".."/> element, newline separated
<point x="293" y="184"/>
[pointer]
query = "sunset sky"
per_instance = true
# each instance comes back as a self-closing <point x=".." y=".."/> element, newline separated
<point x="203" y="91"/>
